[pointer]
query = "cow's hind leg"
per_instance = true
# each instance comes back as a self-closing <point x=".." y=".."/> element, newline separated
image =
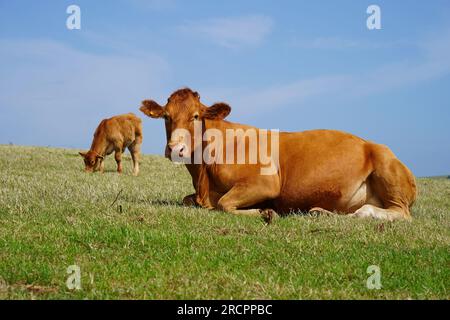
<point x="392" y="183"/>
<point x="135" y="150"/>
<point x="371" y="211"/>
<point x="118" y="157"/>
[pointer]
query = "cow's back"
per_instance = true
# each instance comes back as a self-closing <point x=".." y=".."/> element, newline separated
<point x="123" y="127"/>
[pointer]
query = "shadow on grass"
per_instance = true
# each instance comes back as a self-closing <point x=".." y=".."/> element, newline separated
<point x="107" y="171"/>
<point x="161" y="202"/>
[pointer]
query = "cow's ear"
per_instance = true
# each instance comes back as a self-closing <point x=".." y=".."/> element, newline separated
<point x="83" y="154"/>
<point x="100" y="157"/>
<point x="217" y="111"/>
<point x="152" y="109"/>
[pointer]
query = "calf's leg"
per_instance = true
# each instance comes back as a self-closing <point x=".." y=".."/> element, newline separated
<point x="135" y="150"/>
<point x="118" y="157"/>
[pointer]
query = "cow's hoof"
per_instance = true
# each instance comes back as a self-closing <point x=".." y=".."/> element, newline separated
<point x="268" y="215"/>
<point x="319" y="211"/>
<point x="189" y="201"/>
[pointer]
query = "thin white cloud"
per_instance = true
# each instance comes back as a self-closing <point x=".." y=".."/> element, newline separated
<point x="43" y="66"/>
<point x="48" y="84"/>
<point x="234" y="32"/>
<point x="324" y="43"/>
<point x="154" y="4"/>
<point x="340" y="43"/>
<point x="278" y="96"/>
<point x="433" y="64"/>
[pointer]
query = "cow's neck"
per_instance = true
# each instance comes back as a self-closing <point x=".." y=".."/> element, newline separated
<point x="200" y="177"/>
<point x="99" y="144"/>
<point x="194" y="169"/>
<point x="199" y="172"/>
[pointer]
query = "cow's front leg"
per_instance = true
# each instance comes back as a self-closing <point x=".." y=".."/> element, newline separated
<point x="193" y="200"/>
<point x="189" y="201"/>
<point x="269" y="215"/>
<point x="249" y="193"/>
<point x="102" y="166"/>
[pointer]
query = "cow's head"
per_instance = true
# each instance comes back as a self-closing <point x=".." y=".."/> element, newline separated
<point x="182" y="111"/>
<point x="92" y="161"/>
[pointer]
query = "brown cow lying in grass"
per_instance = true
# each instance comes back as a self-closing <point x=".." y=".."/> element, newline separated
<point x="115" y="135"/>
<point x="320" y="170"/>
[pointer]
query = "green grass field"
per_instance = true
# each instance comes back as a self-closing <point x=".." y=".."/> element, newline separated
<point x="145" y="245"/>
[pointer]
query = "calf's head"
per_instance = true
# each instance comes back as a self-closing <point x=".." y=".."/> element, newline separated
<point x="92" y="161"/>
<point x="181" y="113"/>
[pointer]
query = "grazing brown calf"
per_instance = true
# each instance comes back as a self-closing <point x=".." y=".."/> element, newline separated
<point x="320" y="170"/>
<point x="115" y="135"/>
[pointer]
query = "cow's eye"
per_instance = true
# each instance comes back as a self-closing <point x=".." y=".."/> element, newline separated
<point x="166" y="117"/>
<point x="196" y="117"/>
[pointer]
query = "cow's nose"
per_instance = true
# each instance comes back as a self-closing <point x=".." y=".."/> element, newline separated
<point x="177" y="151"/>
<point x="171" y="145"/>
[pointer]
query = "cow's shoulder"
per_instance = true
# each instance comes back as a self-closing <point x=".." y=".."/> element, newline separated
<point x="101" y="128"/>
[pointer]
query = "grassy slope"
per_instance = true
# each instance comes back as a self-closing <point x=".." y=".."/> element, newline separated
<point x="52" y="215"/>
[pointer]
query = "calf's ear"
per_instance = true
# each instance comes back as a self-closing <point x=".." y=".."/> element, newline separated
<point x="217" y="111"/>
<point x="152" y="109"/>
<point x="83" y="154"/>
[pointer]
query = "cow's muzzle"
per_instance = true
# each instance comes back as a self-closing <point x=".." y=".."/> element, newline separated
<point x="177" y="152"/>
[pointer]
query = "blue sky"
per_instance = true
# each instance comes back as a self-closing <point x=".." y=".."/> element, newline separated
<point x="288" y="65"/>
